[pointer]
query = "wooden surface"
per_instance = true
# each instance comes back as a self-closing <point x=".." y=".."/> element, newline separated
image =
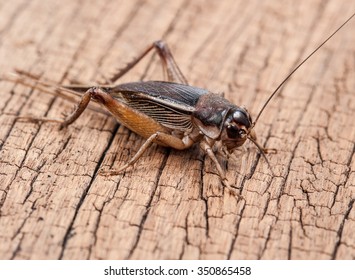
<point x="171" y="205"/>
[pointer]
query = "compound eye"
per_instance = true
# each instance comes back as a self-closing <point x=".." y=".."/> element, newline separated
<point x="232" y="131"/>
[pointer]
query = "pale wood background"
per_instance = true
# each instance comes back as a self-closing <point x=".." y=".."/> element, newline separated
<point x="171" y="205"/>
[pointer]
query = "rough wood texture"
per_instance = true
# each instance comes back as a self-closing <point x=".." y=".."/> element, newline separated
<point x="172" y="205"/>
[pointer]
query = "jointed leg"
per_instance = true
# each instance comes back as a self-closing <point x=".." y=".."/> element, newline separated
<point x="160" y="137"/>
<point x="208" y="149"/>
<point x="173" y="72"/>
<point x="133" y="160"/>
<point x="77" y="112"/>
<point x="79" y="109"/>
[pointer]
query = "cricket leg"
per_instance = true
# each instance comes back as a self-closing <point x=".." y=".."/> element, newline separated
<point x="208" y="149"/>
<point x="171" y="69"/>
<point x="68" y="92"/>
<point x="159" y="137"/>
<point x="85" y="99"/>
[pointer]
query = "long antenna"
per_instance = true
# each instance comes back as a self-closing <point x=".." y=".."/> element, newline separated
<point x="298" y="66"/>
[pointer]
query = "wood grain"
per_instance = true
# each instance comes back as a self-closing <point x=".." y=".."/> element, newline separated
<point x="172" y="205"/>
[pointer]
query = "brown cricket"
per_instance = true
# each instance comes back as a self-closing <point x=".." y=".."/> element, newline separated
<point x="171" y="113"/>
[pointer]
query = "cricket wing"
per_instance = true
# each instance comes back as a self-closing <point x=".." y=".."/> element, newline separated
<point x="170" y="104"/>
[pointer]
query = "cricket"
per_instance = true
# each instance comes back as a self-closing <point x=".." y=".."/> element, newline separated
<point x="170" y="113"/>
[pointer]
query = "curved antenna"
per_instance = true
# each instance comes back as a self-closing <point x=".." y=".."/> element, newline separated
<point x="298" y="66"/>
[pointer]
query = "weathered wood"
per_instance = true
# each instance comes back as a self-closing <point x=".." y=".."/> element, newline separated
<point x="171" y="205"/>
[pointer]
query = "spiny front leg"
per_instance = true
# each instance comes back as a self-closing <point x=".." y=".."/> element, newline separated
<point x="207" y="147"/>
